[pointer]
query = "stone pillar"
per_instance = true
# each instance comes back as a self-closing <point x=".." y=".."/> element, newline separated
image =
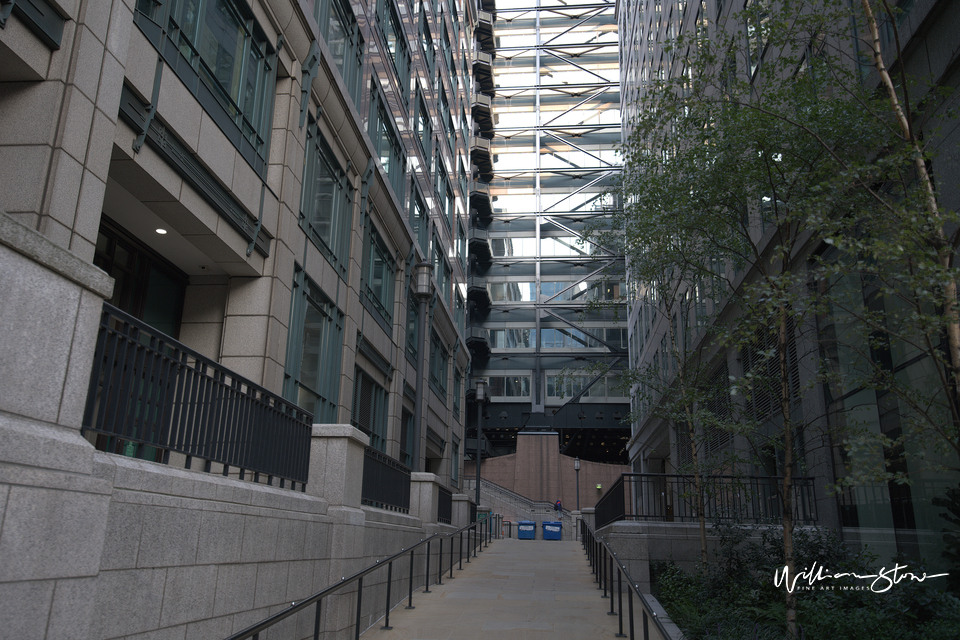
<point x="336" y="474"/>
<point x="589" y="514"/>
<point x="461" y="510"/>
<point x="425" y="497"/>
<point x="54" y="508"/>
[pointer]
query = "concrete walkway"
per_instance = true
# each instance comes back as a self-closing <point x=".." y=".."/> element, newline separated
<point x="514" y="589"/>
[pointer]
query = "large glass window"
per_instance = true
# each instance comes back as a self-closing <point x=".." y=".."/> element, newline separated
<point x="426" y="40"/>
<point x="226" y="48"/>
<point x="422" y="126"/>
<point x="513" y="291"/>
<point x="386" y="140"/>
<point x="378" y="273"/>
<point x="439" y="361"/>
<point x="391" y="29"/>
<point x="314" y="346"/>
<point x="418" y="218"/>
<point x="509" y="386"/>
<point x="513" y="338"/>
<point x="342" y="34"/>
<point x="370" y="409"/>
<point x="457" y="391"/>
<point x="326" y="205"/>
<point x="441" y="270"/>
<point x="413" y="327"/>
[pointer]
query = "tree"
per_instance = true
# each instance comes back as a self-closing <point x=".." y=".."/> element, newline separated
<point x="769" y="143"/>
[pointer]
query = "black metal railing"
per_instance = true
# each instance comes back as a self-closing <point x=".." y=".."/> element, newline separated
<point x="608" y="573"/>
<point x="674" y="498"/>
<point x="478" y="535"/>
<point x="150" y="395"/>
<point x="386" y="482"/>
<point x="445" y="506"/>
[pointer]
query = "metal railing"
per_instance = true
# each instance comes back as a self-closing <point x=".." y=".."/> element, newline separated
<point x="386" y="482"/>
<point x="479" y="535"/>
<point x="150" y="395"/>
<point x="521" y="504"/>
<point x="608" y="569"/>
<point x="674" y="498"/>
<point x="445" y="506"/>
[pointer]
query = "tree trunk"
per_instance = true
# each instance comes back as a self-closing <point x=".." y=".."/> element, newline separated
<point x="783" y="342"/>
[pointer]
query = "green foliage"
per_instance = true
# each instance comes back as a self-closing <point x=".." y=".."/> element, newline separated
<point x="735" y="597"/>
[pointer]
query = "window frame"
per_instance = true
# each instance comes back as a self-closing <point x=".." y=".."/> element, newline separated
<point x="383" y="133"/>
<point x="335" y="246"/>
<point x="380" y="296"/>
<point x="306" y="292"/>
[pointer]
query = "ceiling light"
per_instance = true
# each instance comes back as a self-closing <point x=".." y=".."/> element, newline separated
<point x="162" y="232"/>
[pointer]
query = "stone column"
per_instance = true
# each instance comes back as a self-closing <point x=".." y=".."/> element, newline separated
<point x="54" y="509"/>
<point x="461" y="510"/>
<point x="425" y="497"/>
<point x="336" y="474"/>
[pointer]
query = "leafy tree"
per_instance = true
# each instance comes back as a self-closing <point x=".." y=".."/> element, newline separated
<point x="770" y="140"/>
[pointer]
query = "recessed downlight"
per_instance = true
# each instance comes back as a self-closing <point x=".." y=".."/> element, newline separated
<point x="162" y="232"/>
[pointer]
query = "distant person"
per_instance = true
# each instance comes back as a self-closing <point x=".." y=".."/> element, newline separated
<point x="559" y="508"/>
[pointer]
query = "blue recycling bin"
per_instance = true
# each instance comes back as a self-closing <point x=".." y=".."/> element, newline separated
<point x="552" y="530"/>
<point x="526" y="530"/>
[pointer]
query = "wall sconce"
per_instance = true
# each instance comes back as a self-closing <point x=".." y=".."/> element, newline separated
<point x="599" y="487"/>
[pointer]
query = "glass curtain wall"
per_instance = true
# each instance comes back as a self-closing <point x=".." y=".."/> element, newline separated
<point x="557" y="115"/>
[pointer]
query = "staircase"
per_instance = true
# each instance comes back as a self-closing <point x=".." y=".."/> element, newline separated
<point x="516" y="507"/>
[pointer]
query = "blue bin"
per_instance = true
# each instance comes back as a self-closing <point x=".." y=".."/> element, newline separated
<point x="552" y="530"/>
<point x="526" y="530"/>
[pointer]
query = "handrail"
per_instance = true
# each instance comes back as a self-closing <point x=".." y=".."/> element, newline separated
<point x="482" y="538"/>
<point x="518" y="499"/>
<point x="603" y="573"/>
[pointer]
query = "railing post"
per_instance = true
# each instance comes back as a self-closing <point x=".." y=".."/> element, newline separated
<point x="356" y="629"/>
<point x="610" y="580"/>
<point x="602" y="567"/>
<point x="386" y="622"/>
<point x="620" y="603"/>
<point x="451" y="557"/>
<point x="426" y="577"/>
<point x="630" y="607"/>
<point x="439" y="563"/>
<point x="316" y="622"/>
<point x="461" y="551"/>
<point x="410" y="592"/>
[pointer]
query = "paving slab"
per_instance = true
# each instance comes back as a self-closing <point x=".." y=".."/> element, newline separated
<point x="513" y="590"/>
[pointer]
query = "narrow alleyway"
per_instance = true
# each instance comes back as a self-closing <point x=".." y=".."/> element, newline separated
<point x="514" y="589"/>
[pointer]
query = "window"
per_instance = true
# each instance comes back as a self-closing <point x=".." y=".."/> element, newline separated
<point x="462" y="245"/>
<point x="422" y="127"/>
<point x="513" y="338"/>
<point x="757" y="32"/>
<point x="370" y="409"/>
<point x="314" y="346"/>
<point x="413" y="327"/>
<point x="455" y="463"/>
<point x="326" y="204"/>
<point x="386" y="142"/>
<point x="457" y="390"/>
<point x="342" y="34"/>
<point x="460" y="312"/>
<point x="439" y="361"/>
<point x="513" y="291"/>
<point x="378" y="273"/>
<point x="426" y="40"/>
<point x="391" y="29"/>
<point x="406" y="438"/>
<point x="227" y="50"/>
<point x="441" y="270"/>
<point x="509" y="386"/>
<point x="446" y="48"/>
<point x="418" y="218"/>
<point x="446" y="117"/>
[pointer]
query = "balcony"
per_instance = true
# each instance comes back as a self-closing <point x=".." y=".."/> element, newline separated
<point x="485" y="33"/>
<point x="483" y="72"/>
<point x="478" y="341"/>
<point x="480" y="155"/>
<point x="481" y="105"/>
<point x="480" y="245"/>
<point x="480" y="201"/>
<point x="151" y="396"/>
<point x="477" y="291"/>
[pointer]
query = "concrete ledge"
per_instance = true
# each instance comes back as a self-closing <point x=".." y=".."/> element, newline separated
<point x="40" y="249"/>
